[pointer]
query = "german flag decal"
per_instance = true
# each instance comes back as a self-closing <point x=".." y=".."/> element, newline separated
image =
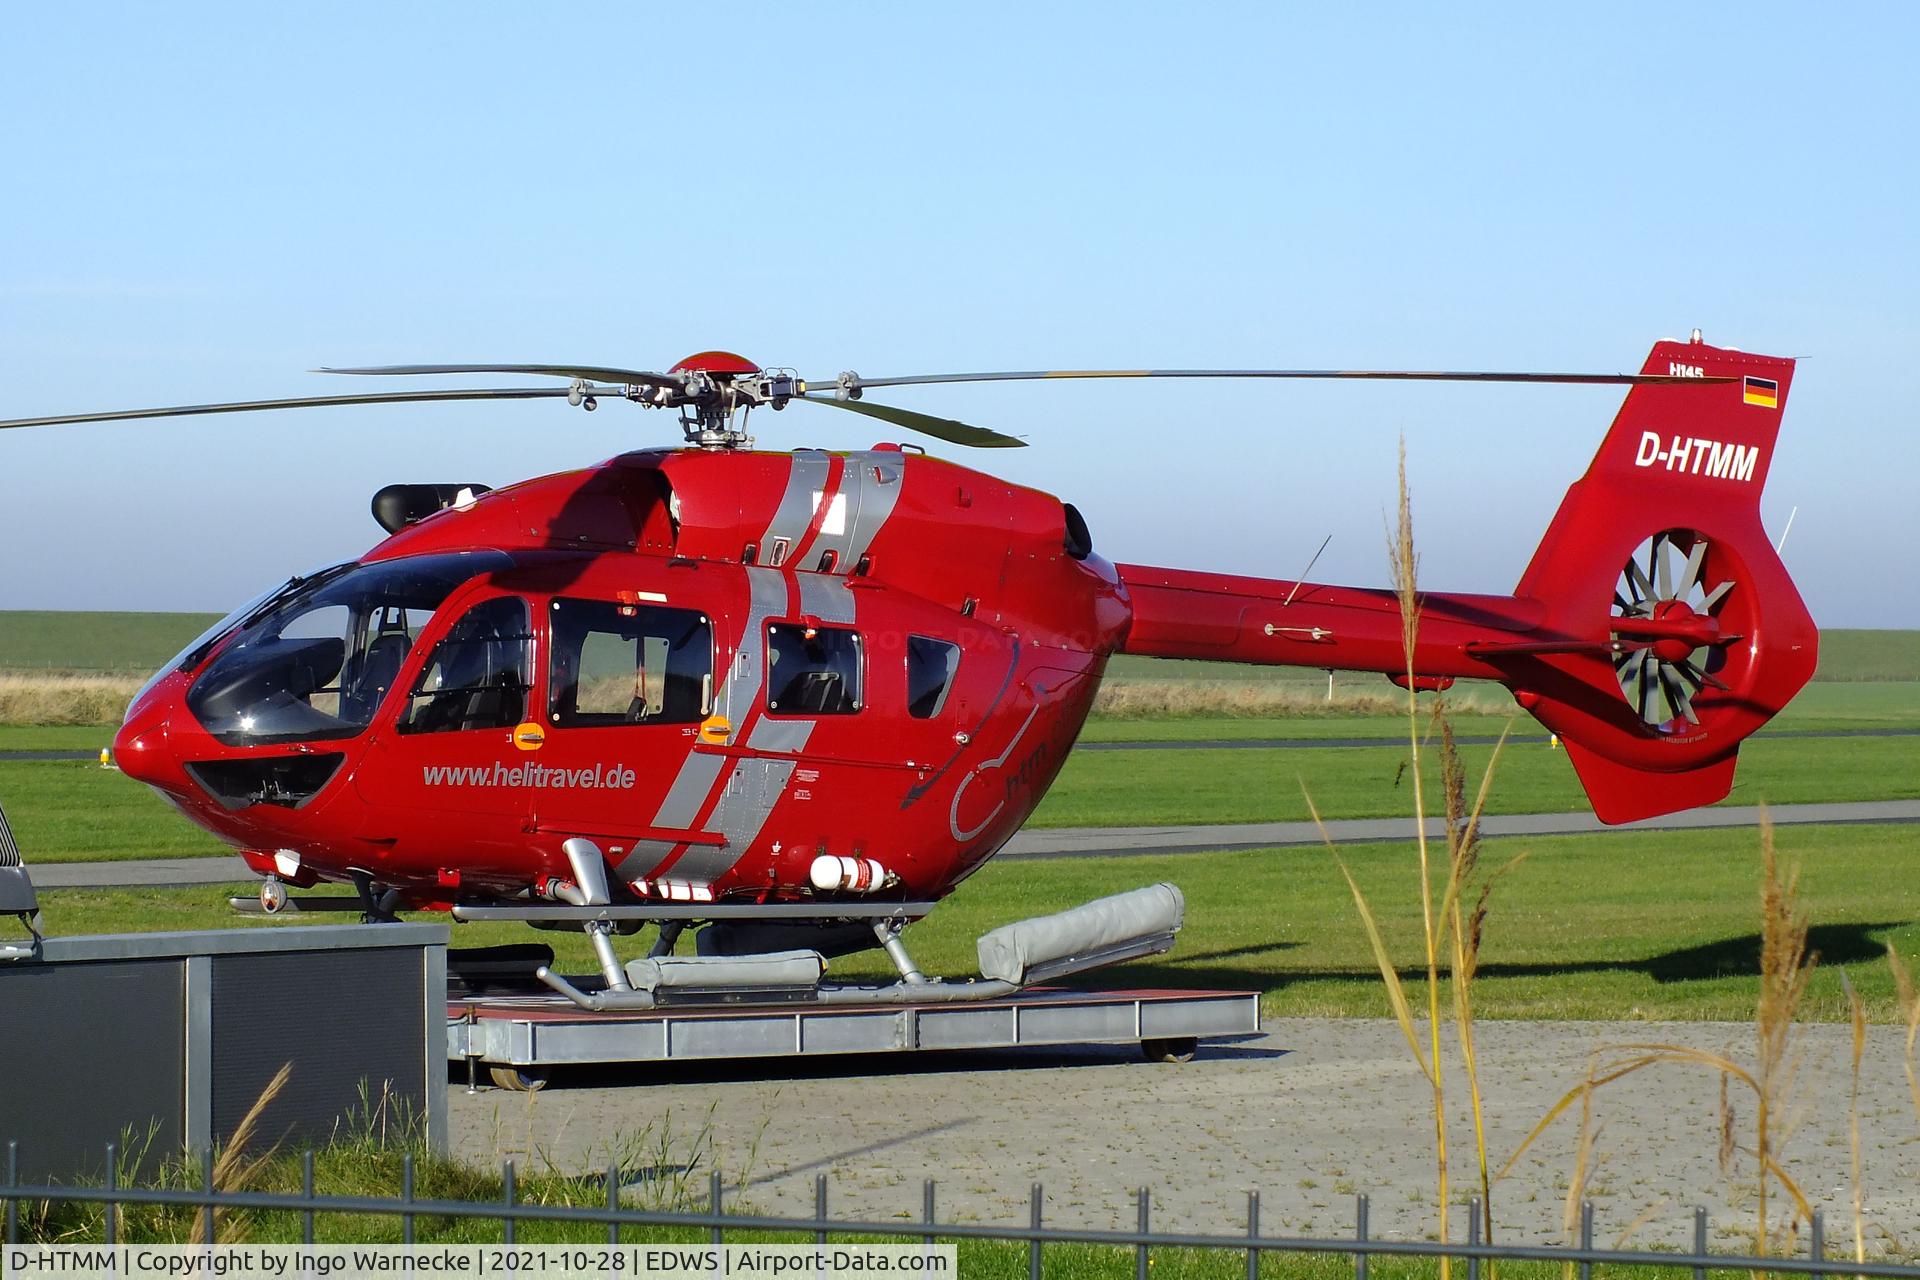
<point x="1764" y="392"/>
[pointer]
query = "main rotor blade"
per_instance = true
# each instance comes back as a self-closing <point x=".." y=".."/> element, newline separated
<point x="940" y="428"/>
<point x="303" y="402"/>
<point x="631" y="377"/>
<point x="1358" y="375"/>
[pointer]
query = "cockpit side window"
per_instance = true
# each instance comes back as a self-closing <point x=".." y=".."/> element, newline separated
<point x="479" y="673"/>
<point x="614" y="664"/>
<point x="318" y="657"/>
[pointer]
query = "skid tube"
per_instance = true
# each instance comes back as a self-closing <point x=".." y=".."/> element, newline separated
<point x="1107" y="931"/>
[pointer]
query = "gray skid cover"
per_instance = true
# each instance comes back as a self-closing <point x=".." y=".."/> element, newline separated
<point x="16" y="887"/>
<point x="1007" y="952"/>
<point x="775" y="969"/>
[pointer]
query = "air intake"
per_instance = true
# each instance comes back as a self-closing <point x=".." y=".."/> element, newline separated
<point x="399" y="505"/>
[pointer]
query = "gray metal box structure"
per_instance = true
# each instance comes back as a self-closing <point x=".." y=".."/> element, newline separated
<point x="162" y="1041"/>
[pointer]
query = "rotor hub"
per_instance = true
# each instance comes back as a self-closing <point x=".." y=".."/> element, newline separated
<point x="1667" y="641"/>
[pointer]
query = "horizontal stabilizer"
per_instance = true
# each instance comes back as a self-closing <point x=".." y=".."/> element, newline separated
<point x="1622" y="793"/>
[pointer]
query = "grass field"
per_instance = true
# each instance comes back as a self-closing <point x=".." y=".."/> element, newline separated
<point x="1151" y="788"/>
<point x="1820" y="707"/>
<point x="55" y="737"/>
<point x="1653" y="925"/>
<point x="123" y="643"/>
<point x="76" y="811"/>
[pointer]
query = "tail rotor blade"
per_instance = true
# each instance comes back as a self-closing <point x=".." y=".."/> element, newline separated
<point x="1690" y="577"/>
<point x="1647" y="683"/>
<point x="1676" y="692"/>
<point x="1638" y="582"/>
<point x="1700" y="677"/>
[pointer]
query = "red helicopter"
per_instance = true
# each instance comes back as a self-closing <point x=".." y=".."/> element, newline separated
<point x="789" y="691"/>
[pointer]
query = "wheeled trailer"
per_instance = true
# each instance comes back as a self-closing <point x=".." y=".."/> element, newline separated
<point x="520" y="1040"/>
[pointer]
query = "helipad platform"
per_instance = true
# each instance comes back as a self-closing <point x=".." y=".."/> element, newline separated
<point x="521" y="1037"/>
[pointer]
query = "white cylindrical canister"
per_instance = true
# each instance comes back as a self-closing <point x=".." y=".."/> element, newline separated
<point x="858" y="875"/>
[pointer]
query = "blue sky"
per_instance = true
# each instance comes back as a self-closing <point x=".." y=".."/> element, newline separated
<point x="203" y="202"/>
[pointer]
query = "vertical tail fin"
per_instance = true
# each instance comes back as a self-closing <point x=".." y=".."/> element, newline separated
<point x="1659" y="547"/>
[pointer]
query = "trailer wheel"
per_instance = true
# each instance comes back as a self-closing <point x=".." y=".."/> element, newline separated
<point x="1173" y="1049"/>
<point x="518" y="1079"/>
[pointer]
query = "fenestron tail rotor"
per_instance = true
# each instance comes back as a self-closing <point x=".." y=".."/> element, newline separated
<point x="716" y="390"/>
<point x="1664" y="628"/>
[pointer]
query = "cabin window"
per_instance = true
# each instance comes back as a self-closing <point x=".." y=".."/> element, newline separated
<point x="614" y="663"/>
<point x="931" y="665"/>
<point x="812" y="671"/>
<point x="478" y="675"/>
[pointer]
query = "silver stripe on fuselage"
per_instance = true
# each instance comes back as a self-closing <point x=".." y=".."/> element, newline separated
<point x="689" y="792"/>
<point x="780" y="735"/>
<point x="644" y="857"/>
<point x="700" y="771"/>
<point x="754" y="787"/>
<point x="806" y="480"/>
<point x="747" y="673"/>
<point x="874" y="477"/>
<point x="826" y="598"/>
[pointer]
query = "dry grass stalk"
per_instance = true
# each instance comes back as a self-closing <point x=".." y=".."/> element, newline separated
<point x="1450" y="933"/>
<point x="236" y="1170"/>
<point x="1405" y="561"/>
<point x="65" y="699"/>
<point x="1785" y="967"/>
<point x="1389" y="973"/>
<point x="1909" y="999"/>
<point x="1583" y="1161"/>
<point x="1858" y="1009"/>
<point x="1231" y="700"/>
<point x="1465" y="929"/>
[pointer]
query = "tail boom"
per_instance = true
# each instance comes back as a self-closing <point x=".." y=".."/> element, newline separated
<point x="1178" y="613"/>
<point x="1654" y="630"/>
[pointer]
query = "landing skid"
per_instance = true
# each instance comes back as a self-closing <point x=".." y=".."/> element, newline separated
<point x="1105" y="932"/>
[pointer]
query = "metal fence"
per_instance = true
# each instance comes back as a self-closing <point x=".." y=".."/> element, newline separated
<point x="1362" y="1247"/>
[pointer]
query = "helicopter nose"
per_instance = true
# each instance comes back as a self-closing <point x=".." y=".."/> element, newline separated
<point x="140" y="747"/>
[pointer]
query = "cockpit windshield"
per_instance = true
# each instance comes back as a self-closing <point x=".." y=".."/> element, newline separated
<point x="316" y="661"/>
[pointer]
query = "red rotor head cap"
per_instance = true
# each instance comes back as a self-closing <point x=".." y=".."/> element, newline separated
<point x="715" y="362"/>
